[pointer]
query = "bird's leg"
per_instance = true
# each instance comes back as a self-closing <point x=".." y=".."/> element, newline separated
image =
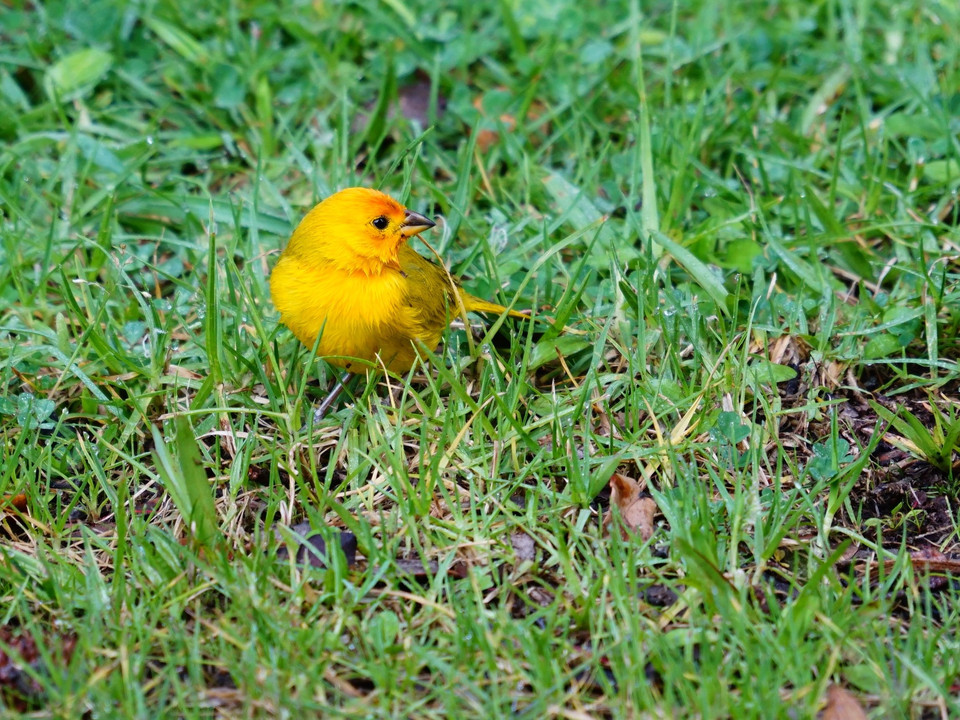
<point x="331" y="397"/>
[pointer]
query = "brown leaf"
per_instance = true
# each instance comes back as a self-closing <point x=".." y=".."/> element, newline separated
<point x="933" y="560"/>
<point x="842" y="705"/>
<point x="487" y="137"/>
<point x="636" y="512"/>
<point x="16" y="502"/>
<point x="182" y="372"/>
<point x="925" y="560"/>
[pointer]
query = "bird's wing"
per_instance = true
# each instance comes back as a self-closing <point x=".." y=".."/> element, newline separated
<point x="428" y="301"/>
<point x="430" y="278"/>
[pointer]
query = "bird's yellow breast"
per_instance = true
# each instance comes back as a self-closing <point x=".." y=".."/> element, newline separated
<point x="357" y="315"/>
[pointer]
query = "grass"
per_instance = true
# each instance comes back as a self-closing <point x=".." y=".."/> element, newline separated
<point x="749" y="215"/>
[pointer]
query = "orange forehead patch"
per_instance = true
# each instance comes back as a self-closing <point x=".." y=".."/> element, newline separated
<point x="365" y="202"/>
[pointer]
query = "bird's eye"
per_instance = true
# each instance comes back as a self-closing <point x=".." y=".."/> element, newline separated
<point x="380" y="223"/>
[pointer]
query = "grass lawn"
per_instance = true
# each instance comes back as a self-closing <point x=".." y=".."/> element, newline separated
<point x="746" y="217"/>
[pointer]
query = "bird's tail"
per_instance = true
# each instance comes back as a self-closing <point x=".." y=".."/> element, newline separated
<point x="474" y="304"/>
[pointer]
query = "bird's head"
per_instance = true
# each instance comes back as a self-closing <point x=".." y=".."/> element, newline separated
<point x="358" y="230"/>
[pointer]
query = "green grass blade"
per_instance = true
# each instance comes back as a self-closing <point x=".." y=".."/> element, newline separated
<point x="182" y="474"/>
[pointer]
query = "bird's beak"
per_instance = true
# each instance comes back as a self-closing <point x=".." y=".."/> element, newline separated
<point x="414" y="224"/>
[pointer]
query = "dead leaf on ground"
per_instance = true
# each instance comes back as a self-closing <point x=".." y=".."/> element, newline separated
<point x="414" y="100"/>
<point x="412" y="103"/>
<point x="420" y="570"/>
<point x="312" y="549"/>
<point x="932" y="560"/>
<point x="541" y="596"/>
<point x="488" y="137"/>
<point x="15" y="502"/>
<point x="842" y="705"/>
<point x="18" y="651"/>
<point x="636" y="512"/>
<point x="182" y="372"/>
<point x="660" y="596"/>
<point x="14" y="520"/>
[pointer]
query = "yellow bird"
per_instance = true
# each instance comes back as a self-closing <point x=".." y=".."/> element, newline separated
<point x="348" y="276"/>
